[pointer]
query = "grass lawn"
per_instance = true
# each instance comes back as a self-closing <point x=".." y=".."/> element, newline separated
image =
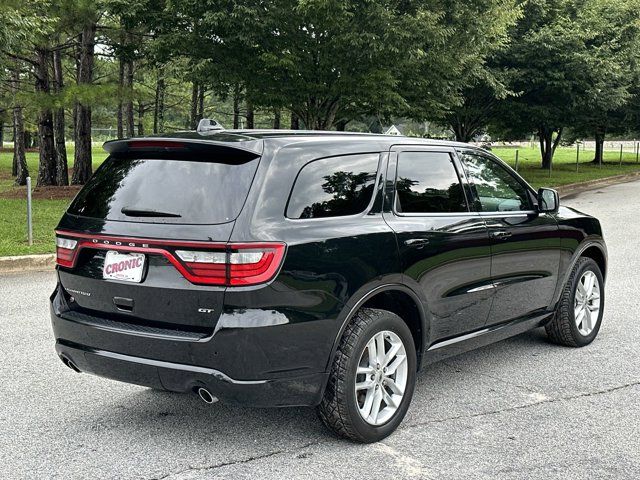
<point x="564" y="165"/>
<point x="47" y="211"/>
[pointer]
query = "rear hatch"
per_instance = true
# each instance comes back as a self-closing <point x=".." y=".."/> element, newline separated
<point x="144" y="245"/>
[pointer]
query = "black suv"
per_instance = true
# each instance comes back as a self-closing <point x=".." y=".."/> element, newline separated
<point x="275" y="268"/>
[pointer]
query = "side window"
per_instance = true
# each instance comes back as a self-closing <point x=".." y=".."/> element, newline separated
<point x="334" y="187"/>
<point x="427" y="182"/>
<point x="495" y="188"/>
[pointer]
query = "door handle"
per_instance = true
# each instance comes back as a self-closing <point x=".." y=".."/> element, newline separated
<point x="500" y="234"/>
<point x="417" y="242"/>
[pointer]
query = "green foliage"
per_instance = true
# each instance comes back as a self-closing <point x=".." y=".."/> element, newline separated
<point x="611" y="69"/>
<point x="570" y="63"/>
<point x="339" y="59"/>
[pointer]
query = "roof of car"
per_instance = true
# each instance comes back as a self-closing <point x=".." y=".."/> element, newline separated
<point x="257" y="134"/>
<point x="251" y="140"/>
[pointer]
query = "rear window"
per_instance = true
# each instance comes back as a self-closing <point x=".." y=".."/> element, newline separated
<point x="334" y="187"/>
<point x="166" y="191"/>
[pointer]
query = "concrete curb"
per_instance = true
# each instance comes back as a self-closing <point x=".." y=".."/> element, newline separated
<point x="27" y="263"/>
<point x="576" y="188"/>
<point x="40" y="263"/>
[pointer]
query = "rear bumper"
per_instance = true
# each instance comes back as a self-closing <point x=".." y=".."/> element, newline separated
<point x="230" y="364"/>
<point x="295" y="391"/>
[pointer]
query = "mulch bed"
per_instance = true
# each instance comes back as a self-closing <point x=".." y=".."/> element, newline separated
<point x="28" y="150"/>
<point x="42" y="193"/>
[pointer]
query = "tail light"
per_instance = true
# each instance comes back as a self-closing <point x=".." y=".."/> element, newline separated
<point x="65" y="251"/>
<point x="231" y="264"/>
<point x="238" y="265"/>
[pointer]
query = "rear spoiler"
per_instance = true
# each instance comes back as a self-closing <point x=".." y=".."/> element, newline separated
<point x="241" y="148"/>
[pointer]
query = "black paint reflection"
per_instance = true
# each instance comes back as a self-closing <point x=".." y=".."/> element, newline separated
<point x="428" y="183"/>
<point x="345" y="191"/>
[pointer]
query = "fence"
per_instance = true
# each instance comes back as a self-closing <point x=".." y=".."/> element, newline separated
<point x="621" y="148"/>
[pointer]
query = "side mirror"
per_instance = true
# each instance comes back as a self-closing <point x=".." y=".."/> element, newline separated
<point x="548" y="200"/>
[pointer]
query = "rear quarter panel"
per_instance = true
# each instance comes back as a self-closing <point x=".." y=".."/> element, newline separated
<point x="328" y="261"/>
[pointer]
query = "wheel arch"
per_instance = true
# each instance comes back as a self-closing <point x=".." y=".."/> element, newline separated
<point x="594" y="249"/>
<point x="598" y="255"/>
<point x="396" y="298"/>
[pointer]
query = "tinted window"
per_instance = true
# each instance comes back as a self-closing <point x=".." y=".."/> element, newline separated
<point x="333" y="187"/>
<point x="496" y="189"/>
<point x="189" y="192"/>
<point x="427" y="182"/>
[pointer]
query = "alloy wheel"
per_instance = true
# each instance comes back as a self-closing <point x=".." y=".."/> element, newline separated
<point x="381" y="378"/>
<point x="586" y="305"/>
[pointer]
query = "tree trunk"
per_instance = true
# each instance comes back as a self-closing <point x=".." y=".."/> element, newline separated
<point x="120" y="103"/>
<point x="62" y="172"/>
<point x="28" y="139"/>
<point x="460" y="130"/>
<point x="140" y="118"/>
<point x="277" y="119"/>
<point x="250" y="114"/>
<point x="128" y="105"/>
<point x="1" y="133"/>
<point x="82" y="162"/>
<point x="599" y="137"/>
<point x="47" y="162"/>
<point x="341" y="125"/>
<point x="200" y="114"/>
<point x="236" y="107"/>
<point x="158" y="112"/>
<point x="295" y="121"/>
<point x="19" y="155"/>
<point x="193" y="122"/>
<point x="309" y="119"/>
<point x="548" y="144"/>
<point x="14" y="164"/>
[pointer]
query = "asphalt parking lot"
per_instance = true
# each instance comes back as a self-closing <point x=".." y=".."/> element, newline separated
<point x="522" y="408"/>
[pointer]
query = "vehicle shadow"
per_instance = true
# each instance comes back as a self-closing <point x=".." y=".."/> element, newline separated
<point x="167" y="416"/>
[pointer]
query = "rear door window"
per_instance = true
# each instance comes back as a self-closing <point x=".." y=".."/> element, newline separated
<point x="166" y="191"/>
<point x="334" y="187"/>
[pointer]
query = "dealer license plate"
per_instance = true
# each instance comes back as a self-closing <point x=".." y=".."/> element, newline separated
<point x="123" y="266"/>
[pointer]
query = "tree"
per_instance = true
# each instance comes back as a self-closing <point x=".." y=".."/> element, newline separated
<point x="328" y="62"/>
<point x="47" y="164"/>
<point x="563" y="59"/>
<point x="17" y="23"/>
<point x="82" y="164"/>
<point x="477" y="108"/>
<point x="613" y="35"/>
<point x="20" y="170"/>
<point x="28" y="44"/>
<point x="62" y="170"/>
<point x="463" y="69"/>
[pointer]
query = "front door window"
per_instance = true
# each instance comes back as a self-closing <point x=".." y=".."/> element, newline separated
<point x="496" y="190"/>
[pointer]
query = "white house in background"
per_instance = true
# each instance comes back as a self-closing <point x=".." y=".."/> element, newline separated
<point x="393" y="130"/>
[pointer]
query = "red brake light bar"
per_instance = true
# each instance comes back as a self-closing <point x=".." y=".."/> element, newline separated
<point x="204" y="263"/>
<point x="139" y="144"/>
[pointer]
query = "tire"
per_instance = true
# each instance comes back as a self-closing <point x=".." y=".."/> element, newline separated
<point x="341" y="405"/>
<point x="563" y="329"/>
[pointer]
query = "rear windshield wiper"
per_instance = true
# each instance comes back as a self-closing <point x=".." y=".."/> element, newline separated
<point x="141" y="212"/>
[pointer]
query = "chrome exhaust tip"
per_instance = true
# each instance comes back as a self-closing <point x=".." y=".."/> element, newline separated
<point x="70" y="364"/>
<point x="206" y="396"/>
